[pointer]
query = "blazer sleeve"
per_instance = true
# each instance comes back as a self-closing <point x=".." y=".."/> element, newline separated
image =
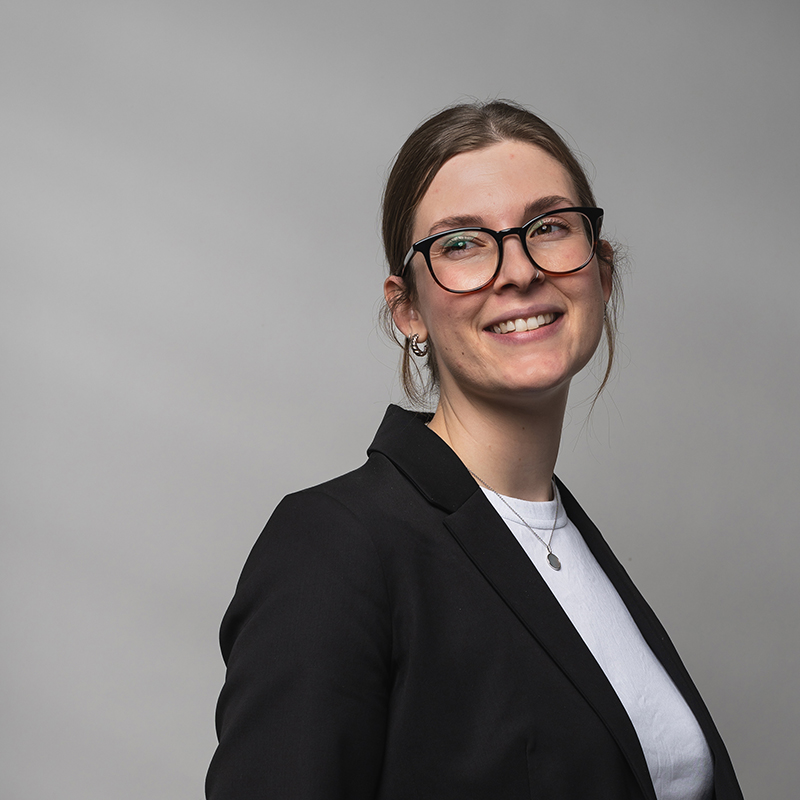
<point x="307" y="643"/>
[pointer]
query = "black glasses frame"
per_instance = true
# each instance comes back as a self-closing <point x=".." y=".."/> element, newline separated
<point x="594" y="215"/>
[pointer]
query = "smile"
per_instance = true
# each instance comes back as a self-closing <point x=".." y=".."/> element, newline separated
<point x="530" y="324"/>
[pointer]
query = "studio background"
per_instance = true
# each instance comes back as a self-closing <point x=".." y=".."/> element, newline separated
<point x="191" y="271"/>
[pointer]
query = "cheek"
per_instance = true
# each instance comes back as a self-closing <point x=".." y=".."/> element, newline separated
<point x="598" y="311"/>
<point x="450" y="320"/>
<point x="435" y="308"/>
<point x="591" y="299"/>
<point x="599" y="288"/>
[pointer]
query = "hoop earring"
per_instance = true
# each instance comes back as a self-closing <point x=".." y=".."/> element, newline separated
<point x="415" y="348"/>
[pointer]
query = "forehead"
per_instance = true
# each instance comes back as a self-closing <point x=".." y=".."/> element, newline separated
<point x="493" y="184"/>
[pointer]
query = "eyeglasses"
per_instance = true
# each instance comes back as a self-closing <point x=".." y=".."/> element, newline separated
<point x="465" y="260"/>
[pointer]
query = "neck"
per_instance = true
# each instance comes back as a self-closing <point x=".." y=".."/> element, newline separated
<point x="513" y="449"/>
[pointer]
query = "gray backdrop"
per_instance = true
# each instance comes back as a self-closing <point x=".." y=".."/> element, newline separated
<point x="191" y="270"/>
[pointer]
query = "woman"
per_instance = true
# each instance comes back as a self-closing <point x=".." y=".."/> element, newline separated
<point x="446" y="622"/>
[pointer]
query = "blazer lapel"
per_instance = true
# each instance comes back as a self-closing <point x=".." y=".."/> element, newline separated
<point x="491" y="546"/>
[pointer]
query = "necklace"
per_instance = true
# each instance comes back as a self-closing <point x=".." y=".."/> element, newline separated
<point x="552" y="558"/>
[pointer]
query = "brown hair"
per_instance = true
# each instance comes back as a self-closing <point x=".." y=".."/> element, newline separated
<point x="460" y="129"/>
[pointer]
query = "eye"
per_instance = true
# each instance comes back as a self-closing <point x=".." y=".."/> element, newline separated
<point x="462" y="244"/>
<point x="550" y="228"/>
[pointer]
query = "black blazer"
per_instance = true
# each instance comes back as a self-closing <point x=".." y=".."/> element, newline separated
<point x="389" y="638"/>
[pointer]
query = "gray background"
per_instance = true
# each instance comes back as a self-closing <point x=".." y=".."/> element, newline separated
<point x="190" y="277"/>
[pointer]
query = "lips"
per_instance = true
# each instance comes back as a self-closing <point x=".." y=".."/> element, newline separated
<point x="529" y="324"/>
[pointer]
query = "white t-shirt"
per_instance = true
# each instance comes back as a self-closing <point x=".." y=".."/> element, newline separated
<point x="676" y="751"/>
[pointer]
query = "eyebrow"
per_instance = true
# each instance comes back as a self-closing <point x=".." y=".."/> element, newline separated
<point x="533" y="209"/>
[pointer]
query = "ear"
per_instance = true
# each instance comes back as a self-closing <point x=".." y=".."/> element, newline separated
<point x="405" y="315"/>
<point x="605" y="261"/>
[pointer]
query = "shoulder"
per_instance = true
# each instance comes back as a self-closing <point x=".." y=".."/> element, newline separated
<point x="361" y="505"/>
<point x="350" y="506"/>
<point x="322" y="523"/>
<point x="323" y="546"/>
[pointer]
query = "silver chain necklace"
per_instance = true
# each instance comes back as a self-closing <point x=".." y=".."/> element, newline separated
<point x="552" y="558"/>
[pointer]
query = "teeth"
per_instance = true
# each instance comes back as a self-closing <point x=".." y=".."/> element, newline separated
<point x="530" y="324"/>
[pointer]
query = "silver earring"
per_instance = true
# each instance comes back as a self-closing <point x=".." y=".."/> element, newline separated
<point x="416" y="349"/>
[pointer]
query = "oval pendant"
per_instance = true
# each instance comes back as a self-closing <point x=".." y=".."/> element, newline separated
<point x="552" y="560"/>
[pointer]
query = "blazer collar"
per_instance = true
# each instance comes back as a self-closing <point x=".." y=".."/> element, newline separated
<point x="422" y="456"/>
<point x="440" y="476"/>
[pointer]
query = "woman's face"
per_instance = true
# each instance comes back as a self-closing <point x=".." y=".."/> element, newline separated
<point x="502" y="186"/>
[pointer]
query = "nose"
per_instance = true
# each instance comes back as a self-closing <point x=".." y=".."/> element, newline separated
<point x="517" y="267"/>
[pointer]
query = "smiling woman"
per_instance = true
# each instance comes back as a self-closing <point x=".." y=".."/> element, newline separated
<point x="446" y="621"/>
<point x="499" y="186"/>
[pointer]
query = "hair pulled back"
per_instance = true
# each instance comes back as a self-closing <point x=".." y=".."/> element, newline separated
<point x="461" y="129"/>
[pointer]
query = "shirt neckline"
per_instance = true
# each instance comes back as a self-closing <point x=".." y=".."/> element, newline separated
<point x="537" y="515"/>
